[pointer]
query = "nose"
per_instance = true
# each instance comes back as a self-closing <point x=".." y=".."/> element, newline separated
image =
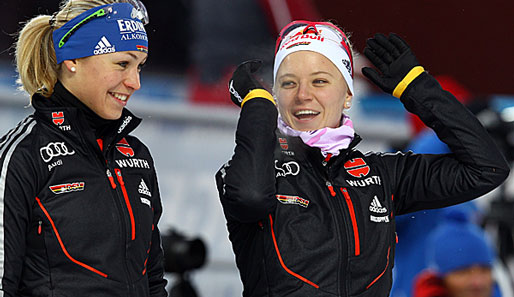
<point x="133" y="79"/>
<point x="304" y="92"/>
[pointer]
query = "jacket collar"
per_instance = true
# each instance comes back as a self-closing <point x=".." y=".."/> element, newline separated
<point x="309" y="154"/>
<point x="64" y="112"/>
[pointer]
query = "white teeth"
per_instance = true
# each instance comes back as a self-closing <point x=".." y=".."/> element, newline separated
<point x="120" y="97"/>
<point x="305" y="112"/>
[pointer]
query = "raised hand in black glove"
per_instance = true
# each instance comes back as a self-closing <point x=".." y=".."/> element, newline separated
<point x="243" y="81"/>
<point x="393" y="58"/>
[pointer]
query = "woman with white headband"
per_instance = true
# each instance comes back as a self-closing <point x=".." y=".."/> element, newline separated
<point x="79" y="200"/>
<point x="308" y="214"/>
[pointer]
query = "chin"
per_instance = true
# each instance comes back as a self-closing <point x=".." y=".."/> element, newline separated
<point x="112" y="116"/>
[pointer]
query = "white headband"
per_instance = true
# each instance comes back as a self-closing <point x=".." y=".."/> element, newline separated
<point x="325" y="41"/>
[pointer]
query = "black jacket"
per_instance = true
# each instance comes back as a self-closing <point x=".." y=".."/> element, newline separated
<point x="304" y="226"/>
<point x="78" y="220"/>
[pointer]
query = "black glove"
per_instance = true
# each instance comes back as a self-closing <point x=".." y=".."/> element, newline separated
<point x="243" y="81"/>
<point x="392" y="56"/>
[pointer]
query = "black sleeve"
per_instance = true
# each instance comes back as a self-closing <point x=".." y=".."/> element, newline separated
<point x="155" y="266"/>
<point x="474" y="167"/>
<point x="18" y="184"/>
<point x="246" y="184"/>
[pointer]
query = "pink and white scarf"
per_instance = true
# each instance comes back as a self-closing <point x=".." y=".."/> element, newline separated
<point x="329" y="140"/>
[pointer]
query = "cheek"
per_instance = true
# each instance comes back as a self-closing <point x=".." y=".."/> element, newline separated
<point x="283" y="100"/>
<point x="333" y="102"/>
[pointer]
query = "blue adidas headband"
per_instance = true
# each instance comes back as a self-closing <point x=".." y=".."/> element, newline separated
<point x="101" y="30"/>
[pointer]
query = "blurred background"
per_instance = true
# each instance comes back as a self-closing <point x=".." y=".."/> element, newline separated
<point x="189" y="121"/>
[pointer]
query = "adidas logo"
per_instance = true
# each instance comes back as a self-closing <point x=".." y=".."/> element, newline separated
<point x="376" y="207"/>
<point x="143" y="189"/>
<point x="104" y="47"/>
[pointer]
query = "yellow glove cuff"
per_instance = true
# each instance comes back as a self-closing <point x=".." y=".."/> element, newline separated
<point x="413" y="73"/>
<point x="257" y="93"/>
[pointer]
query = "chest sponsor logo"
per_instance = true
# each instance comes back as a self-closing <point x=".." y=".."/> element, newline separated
<point x="124" y="148"/>
<point x="375" y="219"/>
<point x="295" y="200"/>
<point x="54" y="164"/>
<point x="357" y="167"/>
<point x="146" y="201"/>
<point x="143" y="189"/>
<point x="58" y="117"/>
<point x="67" y="188"/>
<point x="283" y="143"/>
<point x="368" y="181"/>
<point x="58" y="120"/>
<point x="284" y="146"/>
<point x="133" y="163"/>
<point x="375" y="207"/>
<point x="288" y="168"/>
<point x="55" y="149"/>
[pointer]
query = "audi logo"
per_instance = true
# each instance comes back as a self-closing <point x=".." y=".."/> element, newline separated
<point x="55" y="149"/>
<point x="288" y="168"/>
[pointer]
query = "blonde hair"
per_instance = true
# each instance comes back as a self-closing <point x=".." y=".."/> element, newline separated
<point x="36" y="63"/>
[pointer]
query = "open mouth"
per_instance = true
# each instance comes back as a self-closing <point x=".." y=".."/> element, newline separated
<point x="120" y="97"/>
<point x="306" y="114"/>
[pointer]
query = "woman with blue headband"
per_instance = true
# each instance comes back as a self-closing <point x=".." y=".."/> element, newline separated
<point x="308" y="214"/>
<point x="79" y="199"/>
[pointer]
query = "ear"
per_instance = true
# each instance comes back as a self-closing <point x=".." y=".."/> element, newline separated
<point x="348" y="100"/>
<point x="70" y="65"/>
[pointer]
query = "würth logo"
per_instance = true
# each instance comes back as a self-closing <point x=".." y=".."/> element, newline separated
<point x="283" y="143"/>
<point x="123" y="147"/>
<point x="58" y="117"/>
<point x="357" y="167"/>
<point x="104" y="47"/>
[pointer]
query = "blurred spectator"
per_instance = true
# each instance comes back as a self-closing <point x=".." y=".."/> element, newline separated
<point x="461" y="261"/>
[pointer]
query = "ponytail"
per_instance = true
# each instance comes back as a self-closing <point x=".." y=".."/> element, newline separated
<point x="35" y="57"/>
<point x="36" y="63"/>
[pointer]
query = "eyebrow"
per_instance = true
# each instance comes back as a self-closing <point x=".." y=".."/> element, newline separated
<point x="136" y="57"/>
<point x="132" y="55"/>
<point x="321" y="72"/>
<point x="312" y="74"/>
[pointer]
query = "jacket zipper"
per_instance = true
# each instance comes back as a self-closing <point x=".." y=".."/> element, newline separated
<point x="111" y="179"/>
<point x="63" y="248"/>
<point x="353" y="218"/>
<point x="340" y="241"/>
<point x="127" y="202"/>
<point x="113" y="184"/>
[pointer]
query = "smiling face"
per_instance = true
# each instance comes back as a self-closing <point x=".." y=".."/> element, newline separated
<point x="474" y="281"/>
<point x="104" y="83"/>
<point x="311" y="92"/>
